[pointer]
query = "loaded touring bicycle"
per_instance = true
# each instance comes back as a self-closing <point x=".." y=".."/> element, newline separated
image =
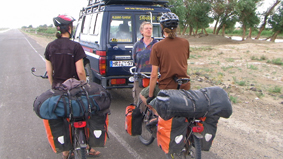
<point x="107" y="30"/>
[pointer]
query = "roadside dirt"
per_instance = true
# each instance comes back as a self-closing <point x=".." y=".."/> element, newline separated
<point x="254" y="83"/>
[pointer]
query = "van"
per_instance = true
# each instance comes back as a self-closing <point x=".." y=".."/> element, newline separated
<point x="107" y="31"/>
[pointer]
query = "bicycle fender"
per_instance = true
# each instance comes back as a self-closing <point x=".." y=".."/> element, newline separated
<point x="198" y="135"/>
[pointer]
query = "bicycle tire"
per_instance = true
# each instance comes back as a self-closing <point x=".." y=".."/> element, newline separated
<point x="146" y="136"/>
<point x="194" y="151"/>
<point x="79" y="152"/>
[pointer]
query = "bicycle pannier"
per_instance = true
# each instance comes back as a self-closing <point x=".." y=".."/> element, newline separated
<point x="58" y="134"/>
<point x="54" y="103"/>
<point x="133" y="120"/>
<point x="98" y="128"/>
<point x="171" y="134"/>
<point x="209" y="132"/>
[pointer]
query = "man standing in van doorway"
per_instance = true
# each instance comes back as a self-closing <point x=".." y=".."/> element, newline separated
<point x="169" y="57"/>
<point x="140" y="54"/>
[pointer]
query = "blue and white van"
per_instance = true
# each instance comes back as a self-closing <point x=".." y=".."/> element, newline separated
<point x="107" y="30"/>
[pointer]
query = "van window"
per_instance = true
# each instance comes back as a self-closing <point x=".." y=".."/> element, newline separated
<point x="156" y="31"/>
<point x="87" y="23"/>
<point x="98" y="24"/>
<point x="121" y="28"/>
<point x="78" y="30"/>
<point x="92" y="24"/>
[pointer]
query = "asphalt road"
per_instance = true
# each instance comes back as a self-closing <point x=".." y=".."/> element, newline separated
<point x="22" y="135"/>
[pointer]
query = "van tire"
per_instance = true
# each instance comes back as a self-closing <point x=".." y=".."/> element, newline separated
<point x="89" y="74"/>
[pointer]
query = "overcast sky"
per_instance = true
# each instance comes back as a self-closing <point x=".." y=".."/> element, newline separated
<point x="18" y="13"/>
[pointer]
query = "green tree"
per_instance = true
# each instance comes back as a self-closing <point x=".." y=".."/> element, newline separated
<point x="276" y="21"/>
<point x="224" y="15"/>
<point x="197" y="15"/>
<point x="178" y="7"/>
<point x="246" y="10"/>
<point x="267" y="14"/>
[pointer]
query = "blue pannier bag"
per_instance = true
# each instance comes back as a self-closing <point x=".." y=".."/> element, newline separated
<point x="72" y="96"/>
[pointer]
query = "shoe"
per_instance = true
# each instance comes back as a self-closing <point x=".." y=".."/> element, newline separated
<point x="151" y="126"/>
<point x="92" y="153"/>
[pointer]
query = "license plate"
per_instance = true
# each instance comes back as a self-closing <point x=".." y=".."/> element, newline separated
<point x="121" y="63"/>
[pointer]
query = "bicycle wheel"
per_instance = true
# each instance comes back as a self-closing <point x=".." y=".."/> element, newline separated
<point x="194" y="149"/>
<point x="79" y="152"/>
<point x="146" y="136"/>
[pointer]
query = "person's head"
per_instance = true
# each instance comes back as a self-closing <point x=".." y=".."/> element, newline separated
<point x="64" y="24"/>
<point x="146" y="29"/>
<point x="169" y="22"/>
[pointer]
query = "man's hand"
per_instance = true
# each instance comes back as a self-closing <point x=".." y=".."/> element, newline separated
<point x="149" y="99"/>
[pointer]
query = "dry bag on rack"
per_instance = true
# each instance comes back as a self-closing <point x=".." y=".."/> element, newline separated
<point x="192" y="103"/>
<point x="171" y="134"/>
<point x="133" y="120"/>
<point x="55" y="103"/>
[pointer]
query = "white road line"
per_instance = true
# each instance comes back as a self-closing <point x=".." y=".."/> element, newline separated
<point x="3" y="31"/>
<point x="124" y="143"/>
<point x="35" y="50"/>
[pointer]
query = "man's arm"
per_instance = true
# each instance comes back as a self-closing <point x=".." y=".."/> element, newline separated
<point x="81" y="70"/>
<point x="153" y="80"/>
<point x="49" y="71"/>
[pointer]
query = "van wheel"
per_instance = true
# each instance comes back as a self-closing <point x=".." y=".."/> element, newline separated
<point x="89" y="74"/>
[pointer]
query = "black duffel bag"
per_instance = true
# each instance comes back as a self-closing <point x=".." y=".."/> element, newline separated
<point x="82" y="97"/>
<point x="192" y="103"/>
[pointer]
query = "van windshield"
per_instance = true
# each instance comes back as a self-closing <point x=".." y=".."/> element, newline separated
<point x="156" y="31"/>
<point x="121" y="28"/>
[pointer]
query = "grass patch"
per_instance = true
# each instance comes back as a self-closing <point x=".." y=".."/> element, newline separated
<point x="203" y="48"/>
<point x="277" y="61"/>
<point x="240" y="83"/>
<point x="259" y="94"/>
<point x="262" y="57"/>
<point x="275" y="89"/>
<point x="230" y="60"/>
<point x="226" y="68"/>
<point x="195" y="56"/>
<point x="234" y="99"/>
<point x="252" y="67"/>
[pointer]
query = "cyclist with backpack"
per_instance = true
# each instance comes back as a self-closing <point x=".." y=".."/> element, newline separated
<point x="169" y="57"/>
<point x="64" y="60"/>
<point x="141" y="54"/>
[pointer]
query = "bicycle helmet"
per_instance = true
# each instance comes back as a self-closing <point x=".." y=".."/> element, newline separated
<point x="169" y="20"/>
<point x="62" y="20"/>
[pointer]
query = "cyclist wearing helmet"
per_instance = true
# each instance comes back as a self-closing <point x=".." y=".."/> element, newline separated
<point x="169" y="56"/>
<point x="64" y="60"/>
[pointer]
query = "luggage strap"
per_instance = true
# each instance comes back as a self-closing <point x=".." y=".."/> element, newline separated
<point x="203" y="90"/>
<point x="190" y="97"/>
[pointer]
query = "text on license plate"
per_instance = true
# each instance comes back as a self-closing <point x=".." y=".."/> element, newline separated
<point x="121" y="63"/>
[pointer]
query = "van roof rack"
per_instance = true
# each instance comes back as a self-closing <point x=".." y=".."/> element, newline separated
<point x="145" y="2"/>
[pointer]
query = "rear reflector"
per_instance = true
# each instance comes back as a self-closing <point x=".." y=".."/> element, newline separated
<point x="118" y="81"/>
<point x="80" y="124"/>
<point x="198" y="129"/>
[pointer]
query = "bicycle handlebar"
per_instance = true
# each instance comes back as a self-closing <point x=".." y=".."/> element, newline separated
<point x="140" y="73"/>
<point x="45" y="76"/>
